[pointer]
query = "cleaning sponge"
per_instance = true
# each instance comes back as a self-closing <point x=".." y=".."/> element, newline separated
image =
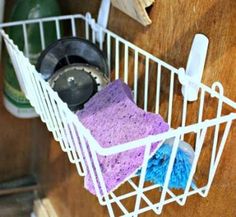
<point x="113" y="118"/>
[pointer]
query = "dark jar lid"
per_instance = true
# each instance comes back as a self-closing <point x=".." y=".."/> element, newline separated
<point x="67" y="51"/>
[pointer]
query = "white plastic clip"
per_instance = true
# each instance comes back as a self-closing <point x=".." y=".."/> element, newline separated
<point x="103" y="16"/>
<point x="195" y="66"/>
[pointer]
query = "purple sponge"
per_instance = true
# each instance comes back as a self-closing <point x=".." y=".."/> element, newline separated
<point x="113" y="118"/>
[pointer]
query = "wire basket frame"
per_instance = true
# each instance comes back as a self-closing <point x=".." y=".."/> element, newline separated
<point x="83" y="149"/>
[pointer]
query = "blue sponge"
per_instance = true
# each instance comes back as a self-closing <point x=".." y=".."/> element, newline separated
<point x="158" y="165"/>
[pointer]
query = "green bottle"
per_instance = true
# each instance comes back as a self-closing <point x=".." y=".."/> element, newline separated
<point x="14" y="99"/>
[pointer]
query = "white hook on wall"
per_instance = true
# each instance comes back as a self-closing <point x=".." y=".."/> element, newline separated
<point x="195" y="65"/>
<point x="103" y="16"/>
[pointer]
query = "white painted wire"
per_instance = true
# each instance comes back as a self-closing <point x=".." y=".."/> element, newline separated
<point x="61" y="121"/>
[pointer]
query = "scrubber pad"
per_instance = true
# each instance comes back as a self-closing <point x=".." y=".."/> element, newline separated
<point x="158" y="165"/>
<point x="113" y="118"/>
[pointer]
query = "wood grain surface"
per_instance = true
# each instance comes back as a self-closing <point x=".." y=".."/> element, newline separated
<point x="169" y="37"/>
<point x="15" y="144"/>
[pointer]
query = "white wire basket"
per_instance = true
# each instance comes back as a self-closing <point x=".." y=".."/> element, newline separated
<point x="140" y="70"/>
